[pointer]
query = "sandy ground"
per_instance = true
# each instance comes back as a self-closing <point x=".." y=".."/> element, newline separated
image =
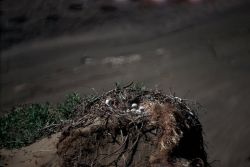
<point x="200" y="55"/>
<point x="41" y="153"/>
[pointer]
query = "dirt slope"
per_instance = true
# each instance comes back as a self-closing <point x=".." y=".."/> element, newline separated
<point x="41" y="153"/>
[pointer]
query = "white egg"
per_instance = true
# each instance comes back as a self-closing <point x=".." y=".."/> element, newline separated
<point x="141" y="108"/>
<point x="107" y="102"/>
<point x="134" y="105"/>
<point x="138" y="111"/>
<point x="133" y="110"/>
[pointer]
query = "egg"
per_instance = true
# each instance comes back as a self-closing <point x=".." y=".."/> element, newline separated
<point x="141" y="108"/>
<point x="108" y="101"/>
<point x="138" y="111"/>
<point x="134" y="105"/>
<point x="133" y="110"/>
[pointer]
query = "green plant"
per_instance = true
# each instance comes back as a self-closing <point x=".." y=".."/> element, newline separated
<point x="68" y="107"/>
<point x="26" y="123"/>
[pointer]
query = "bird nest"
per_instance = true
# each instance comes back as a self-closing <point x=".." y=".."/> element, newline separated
<point x="133" y="127"/>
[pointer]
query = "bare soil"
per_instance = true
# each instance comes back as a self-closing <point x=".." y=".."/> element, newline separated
<point x="41" y="153"/>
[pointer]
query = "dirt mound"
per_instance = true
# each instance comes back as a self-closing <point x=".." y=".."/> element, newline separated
<point x="133" y="127"/>
<point x="42" y="153"/>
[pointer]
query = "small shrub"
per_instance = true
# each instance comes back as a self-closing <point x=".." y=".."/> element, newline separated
<point x="68" y="107"/>
<point x="25" y="123"/>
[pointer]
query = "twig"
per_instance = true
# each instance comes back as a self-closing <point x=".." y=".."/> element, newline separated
<point x="134" y="148"/>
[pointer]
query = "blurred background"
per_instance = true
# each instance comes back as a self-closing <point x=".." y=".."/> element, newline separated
<point x="197" y="49"/>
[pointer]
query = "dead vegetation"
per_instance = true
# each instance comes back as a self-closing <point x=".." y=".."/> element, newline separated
<point x="130" y="126"/>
